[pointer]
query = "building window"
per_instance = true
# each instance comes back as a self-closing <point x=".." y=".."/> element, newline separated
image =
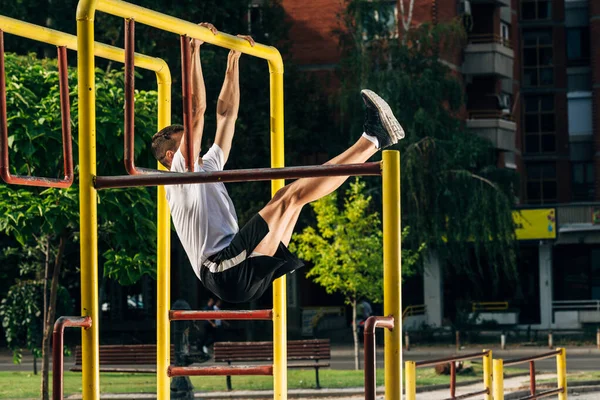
<point x="541" y="183"/>
<point x="379" y="19"/>
<point x="255" y="17"/>
<point x="583" y="181"/>
<point x="538" y="65"/>
<point x="536" y="9"/>
<point x="578" y="45"/>
<point x="579" y="108"/>
<point x="540" y="126"/>
<point x="505" y="34"/>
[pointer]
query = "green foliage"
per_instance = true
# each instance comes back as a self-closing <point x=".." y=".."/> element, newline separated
<point x="21" y="315"/>
<point x="126" y="218"/>
<point x="346" y="248"/>
<point x="454" y="197"/>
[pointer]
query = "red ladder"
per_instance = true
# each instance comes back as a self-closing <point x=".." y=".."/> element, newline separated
<point x="248" y="315"/>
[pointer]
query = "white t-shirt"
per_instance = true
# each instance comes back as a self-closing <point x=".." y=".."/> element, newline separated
<point x="203" y="214"/>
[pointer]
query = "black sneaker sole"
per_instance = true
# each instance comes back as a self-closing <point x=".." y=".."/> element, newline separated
<point x="390" y="123"/>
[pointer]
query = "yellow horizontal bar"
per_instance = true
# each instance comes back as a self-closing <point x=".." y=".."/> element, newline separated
<point x="181" y="27"/>
<point x="57" y="38"/>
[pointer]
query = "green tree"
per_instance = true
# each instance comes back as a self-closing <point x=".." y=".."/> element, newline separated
<point x="45" y="222"/>
<point x="347" y="250"/>
<point x="454" y="197"/>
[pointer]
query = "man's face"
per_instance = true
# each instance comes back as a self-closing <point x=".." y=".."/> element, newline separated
<point x="169" y="154"/>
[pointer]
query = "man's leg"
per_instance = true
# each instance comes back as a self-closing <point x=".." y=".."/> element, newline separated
<point x="282" y="212"/>
<point x="381" y="129"/>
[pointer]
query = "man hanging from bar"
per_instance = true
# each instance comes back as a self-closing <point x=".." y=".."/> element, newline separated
<point x="238" y="265"/>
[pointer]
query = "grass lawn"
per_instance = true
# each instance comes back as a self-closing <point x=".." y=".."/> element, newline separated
<point x="25" y="385"/>
<point x="576" y="376"/>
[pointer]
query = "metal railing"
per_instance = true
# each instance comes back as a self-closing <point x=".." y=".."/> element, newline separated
<point x="489" y="306"/>
<point x="576" y="305"/>
<point x="489" y="38"/>
<point x="418" y="309"/>
<point x="411" y="375"/>
<point x="561" y="372"/>
<point x="58" y="350"/>
<point x="370" y="363"/>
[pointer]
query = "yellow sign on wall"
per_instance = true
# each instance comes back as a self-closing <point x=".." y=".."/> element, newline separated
<point x="535" y="224"/>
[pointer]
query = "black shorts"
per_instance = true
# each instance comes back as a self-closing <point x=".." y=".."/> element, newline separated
<point x="238" y="278"/>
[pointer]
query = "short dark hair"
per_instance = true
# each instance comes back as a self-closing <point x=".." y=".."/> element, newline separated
<point x="164" y="140"/>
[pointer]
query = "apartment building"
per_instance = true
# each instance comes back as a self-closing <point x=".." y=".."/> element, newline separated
<point x="531" y="73"/>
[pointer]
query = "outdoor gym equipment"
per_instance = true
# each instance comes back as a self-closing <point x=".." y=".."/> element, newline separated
<point x="89" y="183"/>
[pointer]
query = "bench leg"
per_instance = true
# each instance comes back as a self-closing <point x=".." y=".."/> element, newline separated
<point x="228" y="378"/>
<point x="317" y="376"/>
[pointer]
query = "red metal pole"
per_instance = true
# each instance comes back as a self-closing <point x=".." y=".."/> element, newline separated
<point x="370" y="363"/>
<point x="186" y="72"/>
<point x="177" y="315"/>
<point x="65" y="113"/>
<point x="452" y="379"/>
<point x="220" y="371"/>
<point x="532" y="377"/>
<point x="58" y="348"/>
<point x="128" y="154"/>
<point x="240" y="175"/>
<point x="3" y="118"/>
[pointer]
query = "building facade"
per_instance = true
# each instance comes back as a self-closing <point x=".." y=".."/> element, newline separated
<point x="531" y="73"/>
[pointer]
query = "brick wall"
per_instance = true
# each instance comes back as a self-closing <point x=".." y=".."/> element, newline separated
<point x="313" y="24"/>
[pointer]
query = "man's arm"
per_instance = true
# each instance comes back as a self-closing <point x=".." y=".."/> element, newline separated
<point x="229" y="101"/>
<point x="198" y="97"/>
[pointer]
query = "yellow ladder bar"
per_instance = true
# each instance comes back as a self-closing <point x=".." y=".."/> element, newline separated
<point x="392" y="276"/>
<point x="279" y="286"/>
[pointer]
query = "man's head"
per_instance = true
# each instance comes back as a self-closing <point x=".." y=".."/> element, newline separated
<point x="165" y="144"/>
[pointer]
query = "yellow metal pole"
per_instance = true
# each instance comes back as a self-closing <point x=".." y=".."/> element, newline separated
<point x="410" y="373"/>
<point x="88" y="199"/>
<point x="180" y="27"/>
<point x="163" y="268"/>
<point x="279" y="286"/>
<point x="498" y="380"/>
<point x="57" y="38"/>
<point x="561" y="372"/>
<point x="392" y="276"/>
<point x="487" y="374"/>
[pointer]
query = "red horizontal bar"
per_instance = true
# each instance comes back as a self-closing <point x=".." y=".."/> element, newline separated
<point x="543" y="394"/>
<point x="221" y="371"/>
<point x="177" y="315"/>
<point x="431" y="363"/>
<point x="240" y="175"/>
<point x="532" y="358"/>
<point x="467" y="395"/>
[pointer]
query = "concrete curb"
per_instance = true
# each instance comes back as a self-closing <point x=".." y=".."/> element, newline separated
<point x="570" y="390"/>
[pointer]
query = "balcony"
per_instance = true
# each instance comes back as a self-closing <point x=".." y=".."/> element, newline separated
<point x="499" y="3"/>
<point x="495" y="126"/>
<point x="488" y="54"/>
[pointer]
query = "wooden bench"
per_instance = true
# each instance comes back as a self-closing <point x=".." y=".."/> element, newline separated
<point x="313" y="350"/>
<point x="128" y="354"/>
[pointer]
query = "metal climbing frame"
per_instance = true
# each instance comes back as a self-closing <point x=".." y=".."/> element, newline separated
<point x="89" y="277"/>
<point x="88" y="200"/>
